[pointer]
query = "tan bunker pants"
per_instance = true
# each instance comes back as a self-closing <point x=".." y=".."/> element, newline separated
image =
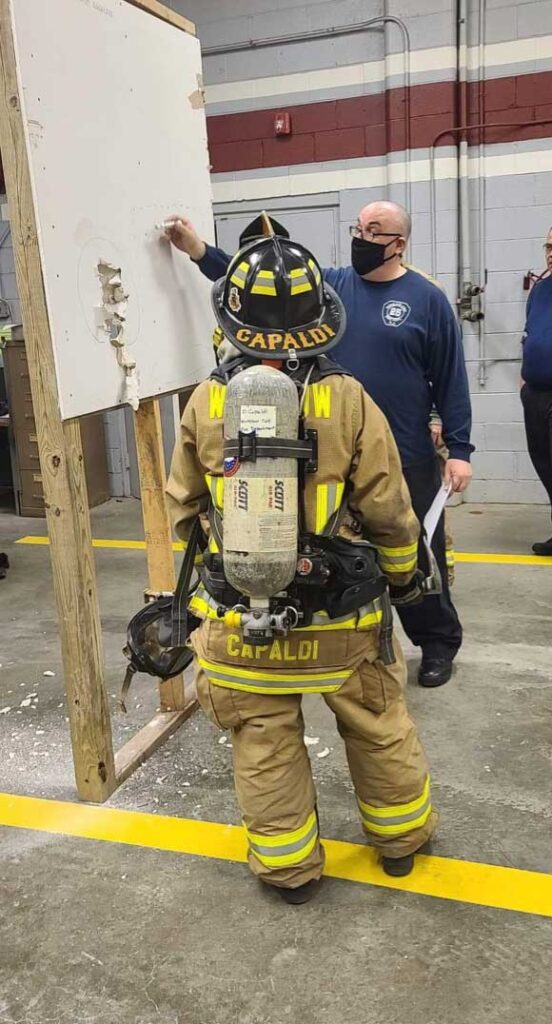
<point x="273" y="776"/>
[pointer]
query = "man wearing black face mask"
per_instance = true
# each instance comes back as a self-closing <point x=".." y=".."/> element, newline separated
<point x="402" y="343"/>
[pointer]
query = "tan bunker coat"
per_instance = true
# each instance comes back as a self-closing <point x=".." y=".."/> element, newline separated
<point x="257" y="691"/>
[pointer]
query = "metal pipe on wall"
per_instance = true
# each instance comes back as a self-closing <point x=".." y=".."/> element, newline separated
<point x="341" y="30"/>
<point x="432" y="181"/>
<point x="482" y="219"/>
<point x="464" y="233"/>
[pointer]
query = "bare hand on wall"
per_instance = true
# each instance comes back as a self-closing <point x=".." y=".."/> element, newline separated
<point x="184" y="236"/>
<point x="458" y="473"/>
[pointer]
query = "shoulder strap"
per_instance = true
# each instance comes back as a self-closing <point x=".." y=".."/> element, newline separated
<point x="180" y="599"/>
<point x="226" y="371"/>
<point x="326" y="367"/>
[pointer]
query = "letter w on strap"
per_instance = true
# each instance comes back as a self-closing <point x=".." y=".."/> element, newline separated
<point x="287" y="848"/>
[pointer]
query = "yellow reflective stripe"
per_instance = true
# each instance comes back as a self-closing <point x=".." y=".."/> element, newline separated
<point x="410" y="549"/>
<point x="216" y="489"/>
<point x="398" y="830"/>
<point x="283" y="838"/>
<point x="287" y="859"/>
<point x="315" y="271"/>
<point x="239" y="274"/>
<point x="263" y="289"/>
<point x="397" y="810"/>
<point x="213" y="546"/>
<point x="299" y="281"/>
<point x="277" y="690"/>
<point x="267" y="274"/>
<point x="321" y="507"/>
<point x="202" y="603"/>
<point x="370" y="619"/>
<point x="398" y="566"/>
<point x="398" y="819"/>
<point x="328" y="500"/>
<point x="245" y="674"/>
<point x="450" y="556"/>
<point x="339" y="488"/>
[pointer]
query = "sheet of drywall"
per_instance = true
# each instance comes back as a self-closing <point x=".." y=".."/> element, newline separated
<point x="117" y="141"/>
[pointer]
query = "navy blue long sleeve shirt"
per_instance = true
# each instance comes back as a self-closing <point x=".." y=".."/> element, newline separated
<point x="403" y="344"/>
<point x="536" y="368"/>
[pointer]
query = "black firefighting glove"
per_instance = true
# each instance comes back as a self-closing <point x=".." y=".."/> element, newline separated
<point x="410" y="593"/>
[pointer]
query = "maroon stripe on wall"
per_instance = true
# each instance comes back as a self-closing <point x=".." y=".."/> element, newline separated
<point x="374" y="125"/>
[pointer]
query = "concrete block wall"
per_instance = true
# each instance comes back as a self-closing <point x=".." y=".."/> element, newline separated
<point x="346" y="98"/>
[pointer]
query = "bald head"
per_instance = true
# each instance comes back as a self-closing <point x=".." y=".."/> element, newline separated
<point x="386" y="217"/>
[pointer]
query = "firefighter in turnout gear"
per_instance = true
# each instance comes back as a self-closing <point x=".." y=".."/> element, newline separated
<point x="352" y="544"/>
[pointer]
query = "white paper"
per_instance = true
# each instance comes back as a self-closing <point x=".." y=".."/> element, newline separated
<point x="261" y="418"/>
<point x="434" y="514"/>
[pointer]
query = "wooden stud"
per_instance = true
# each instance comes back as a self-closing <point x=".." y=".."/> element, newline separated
<point x="157" y="524"/>
<point x="160" y="11"/>
<point x="148" y="740"/>
<point x="61" y="463"/>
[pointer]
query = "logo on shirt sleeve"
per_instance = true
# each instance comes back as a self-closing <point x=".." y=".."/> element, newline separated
<point x="394" y="313"/>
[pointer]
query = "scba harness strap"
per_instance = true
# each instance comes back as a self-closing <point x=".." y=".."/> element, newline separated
<point x="248" y="447"/>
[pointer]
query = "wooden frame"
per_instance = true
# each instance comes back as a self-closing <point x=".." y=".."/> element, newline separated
<point x="98" y="771"/>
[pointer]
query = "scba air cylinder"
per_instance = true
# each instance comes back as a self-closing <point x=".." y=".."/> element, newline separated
<point x="260" y="497"/>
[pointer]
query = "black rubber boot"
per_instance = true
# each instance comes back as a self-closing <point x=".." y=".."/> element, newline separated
<point x="398" y="867"/>
<point x="4" y="565"/>
<point x="302" y="894"/>
<point x="543" y="548"/>
<point x="435" y="671"/>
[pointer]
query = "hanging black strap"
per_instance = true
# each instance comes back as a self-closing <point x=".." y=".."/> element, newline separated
<point x="181" y="594"/>
<point x="215" y="522"/>
<point x="386" y="652"/>
<point x="129" y="676"/>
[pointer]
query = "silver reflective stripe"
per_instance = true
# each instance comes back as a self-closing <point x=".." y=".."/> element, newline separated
<point x="269" y="682"/>
<point x="283" y="851"/>
<point x="239" y="276"/>
<point x="399" y="819"/>
<point x="399" y="559"/>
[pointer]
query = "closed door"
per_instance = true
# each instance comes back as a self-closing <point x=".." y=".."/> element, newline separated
<point x="316" y="228"/>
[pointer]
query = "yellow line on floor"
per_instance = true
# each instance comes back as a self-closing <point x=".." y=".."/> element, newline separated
<point x="528" y="892"/>
<point x="491" y="558"/>
<point x="129" y="545"/>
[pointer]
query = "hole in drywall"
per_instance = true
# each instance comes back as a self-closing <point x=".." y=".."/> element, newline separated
<point x="114" y="302"/>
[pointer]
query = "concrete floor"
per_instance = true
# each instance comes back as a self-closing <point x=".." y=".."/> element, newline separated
<point x="98" y="932"/>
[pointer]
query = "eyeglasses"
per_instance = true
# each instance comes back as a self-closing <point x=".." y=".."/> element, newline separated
<point x="356" y="231"/>
<point x="547" y="248"/>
